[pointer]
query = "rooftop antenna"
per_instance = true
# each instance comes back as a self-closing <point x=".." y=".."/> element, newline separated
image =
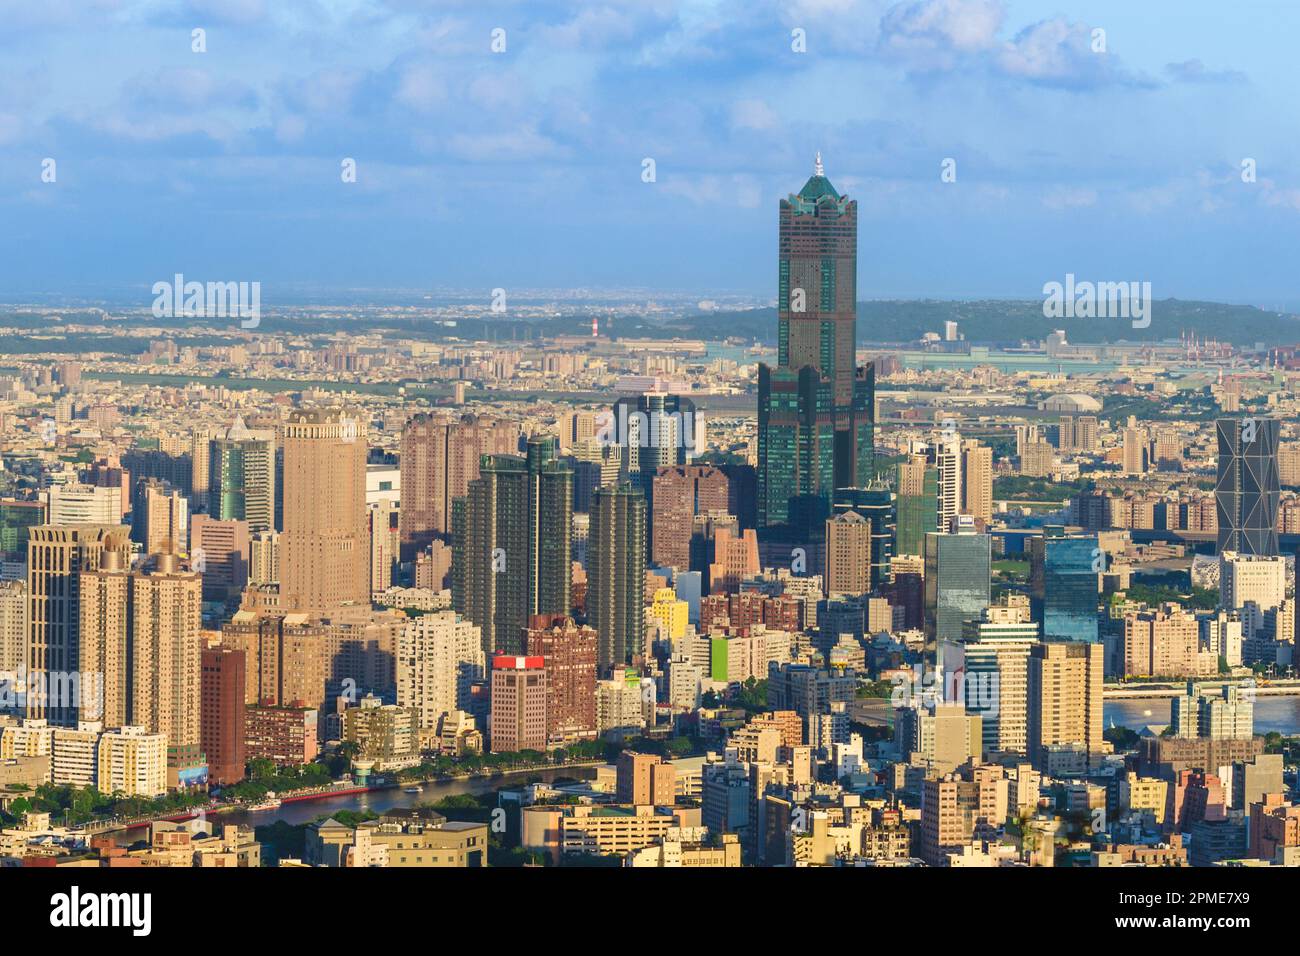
<point x="818" y="170"/>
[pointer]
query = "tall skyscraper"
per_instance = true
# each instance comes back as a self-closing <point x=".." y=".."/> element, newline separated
<point x="616" y="572"/>
<point x="241" y="477"/>
<point x="680" y="493"/>
<point x="847" y="569"/>
<point x="1065" y="701"/>
<point x="918" y="505"/>
<point x="56" y="556"/>
<point x="977" y="480"/>
<point x="876" y="504"/>
<point x="324" y="548"/>
<point x="569" y="654"/>
<point x="512" y="543"/>
<point x="816" y="408"/>
<point x="1064" y="575"/>
<point x="957" y="586"/>
<point x="1248" y="486"/>
<point x="944" y="453"/>
<point x="165" y="652"/>
<point x="221" y="719"/>
<point x="439" y="458"/>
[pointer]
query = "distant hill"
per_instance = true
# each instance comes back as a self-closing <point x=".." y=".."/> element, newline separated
<point x="1011" y="321"/>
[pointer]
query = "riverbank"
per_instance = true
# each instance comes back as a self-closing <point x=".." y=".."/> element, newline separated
<point x="299" y="809"/>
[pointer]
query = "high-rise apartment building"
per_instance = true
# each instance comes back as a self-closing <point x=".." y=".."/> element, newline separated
<point x="847" y="567"/>
<point x="680" y="493"/>
<point x="1065" y="701"/>
<point x="977" y="480"/>
<point x="816" y="408"/>
<point x="323" y="562"/>
<point x="221" y="713"/>
<point x="512" y="543"/>
<point x="56" y="556"/>
<point x="165" y="652"/>
<point x="1248" y="487"/>
<point x="383" y="517"/>
<point x="945" y="455"/>
<point x="160" y="517"/>
<point x="616" y="572"/>
<point x="439" y="659"/>
<point x="569" y="655"/>
<point x="13" y="626"/>
<point x="439" y="458"/>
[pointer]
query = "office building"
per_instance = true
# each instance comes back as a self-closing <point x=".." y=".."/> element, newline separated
<point x="241" y="477"/>
<point x="56" y="557"/>
<point x="957" y="588"/>
<point x="518" y="720"/>
<point x="221" y="717"/>
<point x="616" y="572"/>
<point x="1248" y="486"/>
<point x="816" y="408"/>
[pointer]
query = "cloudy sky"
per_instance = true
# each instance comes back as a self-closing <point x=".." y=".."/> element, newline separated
<point x="524" y="168"/>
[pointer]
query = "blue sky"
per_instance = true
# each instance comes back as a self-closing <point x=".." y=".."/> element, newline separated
<point x="523" y="168"/>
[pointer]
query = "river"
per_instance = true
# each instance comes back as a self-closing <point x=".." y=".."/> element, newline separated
<point x="1281" y="714"/>
<point x="375" y="801"/>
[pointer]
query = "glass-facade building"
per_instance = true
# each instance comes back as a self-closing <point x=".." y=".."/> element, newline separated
<point x="512" y="544"/>
<point x="816" y="408"/>
<point x="957" y="583"/>
<point x="1249" y="485"/>
<point x="1065" y="587"/>
<point x="917" y="514"/>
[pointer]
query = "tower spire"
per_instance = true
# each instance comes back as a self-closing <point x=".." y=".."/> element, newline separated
<point x="817" y="169"/>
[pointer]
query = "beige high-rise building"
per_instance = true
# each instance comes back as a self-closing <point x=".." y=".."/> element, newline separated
<point x="264" y="558"/>
<point x="1065" y="727"/>
<point x="13" y="625"/>
<point x="1165" y="643"/>
<point x="1136" y="449"/>
<point x="848" y="554"/>
<point x="1288" y="463"/>
<point x="977" y="480"/>
<point x="165" y="521"/>
<point x="1036" y="459"/>
<point x="104" y="628"/>
<point x="166" y="651"/>
<point x="384" y="539"/>
<point x="325" y="543"/>
<point x="200" y="452"/>
<point x="56" y="556"/>
<point x="944" y="737"/>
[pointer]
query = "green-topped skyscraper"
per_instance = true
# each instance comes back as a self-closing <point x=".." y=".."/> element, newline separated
<point x="816" y="408"/>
